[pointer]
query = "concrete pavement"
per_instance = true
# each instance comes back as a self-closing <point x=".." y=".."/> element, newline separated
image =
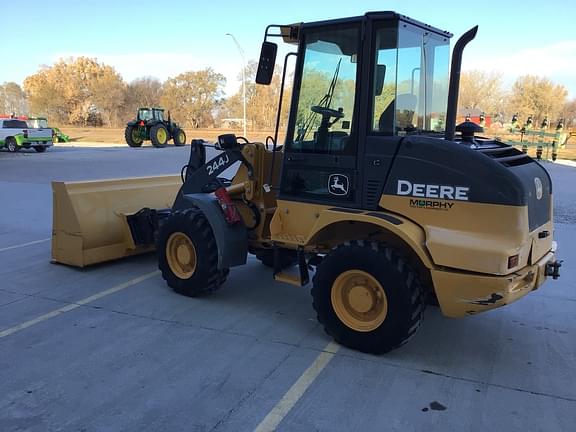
<point x="144" y="358"/>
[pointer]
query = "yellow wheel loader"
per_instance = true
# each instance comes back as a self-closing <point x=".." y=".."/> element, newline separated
<point x="373" y="188"/>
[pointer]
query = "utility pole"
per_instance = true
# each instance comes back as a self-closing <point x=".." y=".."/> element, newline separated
<point x="241" y="51"/>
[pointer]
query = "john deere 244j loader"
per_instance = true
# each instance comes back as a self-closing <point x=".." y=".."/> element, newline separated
<point x="372" y="188"/>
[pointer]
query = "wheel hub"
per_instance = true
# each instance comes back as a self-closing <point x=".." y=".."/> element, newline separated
<point x="359" y="300"/>
<point x="181" y="255"/>
<point x="136" y="136"/>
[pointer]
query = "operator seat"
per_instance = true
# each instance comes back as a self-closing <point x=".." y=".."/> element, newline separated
<point x="405" y="102"/>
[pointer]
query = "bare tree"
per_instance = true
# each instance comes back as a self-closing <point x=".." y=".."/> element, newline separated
<point x="78" y="91"/>
<point x="481" y="90"/>
<point x="193" y="97"/>
<point x="569" y="114"/>
<point x="12" y="99"/>
<point x="261" y="101"/>
<point x="142" y="92"/>
<point x="538" y="97"/>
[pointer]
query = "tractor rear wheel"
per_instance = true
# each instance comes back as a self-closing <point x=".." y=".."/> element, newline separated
<point x="179" y="137"/>
<point x="368" y="297"/>
<point x="188" y="255"/>
<point x="159" y="135"/>
<point x="132" y="136"/>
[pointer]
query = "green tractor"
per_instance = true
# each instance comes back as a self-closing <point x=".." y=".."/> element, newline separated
<point x="151" y="125"/>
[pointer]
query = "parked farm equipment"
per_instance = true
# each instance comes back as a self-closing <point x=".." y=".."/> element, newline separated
<point x="151" y="125"/>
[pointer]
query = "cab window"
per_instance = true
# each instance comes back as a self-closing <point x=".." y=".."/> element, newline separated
<point x="327" y="92"/>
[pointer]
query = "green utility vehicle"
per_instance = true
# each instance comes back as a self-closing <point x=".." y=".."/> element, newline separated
<point x="15" y="134"/>
<point x="151" y="125"/>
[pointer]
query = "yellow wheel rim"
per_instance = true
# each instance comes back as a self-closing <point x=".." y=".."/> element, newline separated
<point x="136" y="136"/>
<point x="181" y="137"/>
<point x="181" y="255"/>
<point x="359" y="300"/>
<point x="161" y="135"/>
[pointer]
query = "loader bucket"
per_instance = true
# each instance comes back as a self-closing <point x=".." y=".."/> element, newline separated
<point x="89" y="218"/>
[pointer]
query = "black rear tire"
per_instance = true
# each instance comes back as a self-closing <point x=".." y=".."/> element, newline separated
<point x="40" y="149"/>
<point x="179" y="137"/>
<point x="206" y="277"/>
<point x="159" y="135"/>
<point x="403" y="293"/>
<point x="130" y="138"/>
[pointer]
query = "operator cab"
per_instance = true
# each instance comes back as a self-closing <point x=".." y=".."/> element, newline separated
<point x="148" y="114"/>
<point x="361" y="84"/>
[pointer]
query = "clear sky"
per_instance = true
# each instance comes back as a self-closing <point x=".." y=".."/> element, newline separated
<point x="165" y="38"/>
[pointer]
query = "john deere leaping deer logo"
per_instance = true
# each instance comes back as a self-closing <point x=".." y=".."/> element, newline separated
<point x="338" y="184"/>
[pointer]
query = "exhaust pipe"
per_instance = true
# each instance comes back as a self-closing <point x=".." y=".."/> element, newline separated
<point x="455" y="81"/>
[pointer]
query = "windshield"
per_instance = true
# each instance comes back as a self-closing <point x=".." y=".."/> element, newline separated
<point x="145" y="114"/>
<point x="415" y="91"/>
<point x="327" y="91"/>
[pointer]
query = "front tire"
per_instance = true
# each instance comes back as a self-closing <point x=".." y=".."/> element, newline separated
<point x="188" y="255"/>
<point x="132" y="136"/>
<point x="368" y="297"/>
<point x="159" y="135"/>
<point x="179" y="137"/>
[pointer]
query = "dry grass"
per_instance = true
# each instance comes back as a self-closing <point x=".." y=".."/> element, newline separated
<point x="116" y="136"/>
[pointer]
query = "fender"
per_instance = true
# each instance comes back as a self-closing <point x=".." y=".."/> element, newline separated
<point x="410" y="233"/>
<point x="19" y="139"/>
<point x="232" y="240"/>
<point x="310" y="225"/>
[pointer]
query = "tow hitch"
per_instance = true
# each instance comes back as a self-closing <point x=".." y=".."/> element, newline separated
<point x="553" y="269"/>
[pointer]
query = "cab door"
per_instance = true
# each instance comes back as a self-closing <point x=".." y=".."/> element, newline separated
<point x="320" y="162"/>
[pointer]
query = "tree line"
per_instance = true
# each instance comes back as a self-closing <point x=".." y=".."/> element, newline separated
<point x="529" y="96"/>
<point x="85" y="92"/>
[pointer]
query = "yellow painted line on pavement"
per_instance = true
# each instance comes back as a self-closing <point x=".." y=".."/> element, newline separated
<point x="24" y="244"/>
<point x="75" y="305"/>
<point x="293" y="395"/>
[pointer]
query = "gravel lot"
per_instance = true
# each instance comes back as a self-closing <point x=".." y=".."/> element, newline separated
<point x="139" y="357"/>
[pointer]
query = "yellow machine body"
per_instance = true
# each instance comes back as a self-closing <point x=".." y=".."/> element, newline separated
<point x="463" y="256"/>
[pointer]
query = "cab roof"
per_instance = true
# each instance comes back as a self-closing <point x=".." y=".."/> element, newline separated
<point x="383" y="15"/>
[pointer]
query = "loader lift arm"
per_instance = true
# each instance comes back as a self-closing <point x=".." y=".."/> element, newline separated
<point x="198" y="177"/>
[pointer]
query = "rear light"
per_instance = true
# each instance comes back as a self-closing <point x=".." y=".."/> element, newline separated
<point x="513" y="261"/>
<point x="228" y="207"/>
<point x="141" y="122"/>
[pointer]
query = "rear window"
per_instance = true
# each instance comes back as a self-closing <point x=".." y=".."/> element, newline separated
<point x="14" y="124"/>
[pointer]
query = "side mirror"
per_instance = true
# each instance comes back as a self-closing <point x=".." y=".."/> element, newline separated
<point x="379" y="79"/>
<point x="266" y="63"/>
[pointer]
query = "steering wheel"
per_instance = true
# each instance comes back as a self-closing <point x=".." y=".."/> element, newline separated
<point x="327" y="112"/>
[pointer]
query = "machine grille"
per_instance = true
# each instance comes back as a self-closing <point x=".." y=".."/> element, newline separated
<point x="372" y="193"/>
